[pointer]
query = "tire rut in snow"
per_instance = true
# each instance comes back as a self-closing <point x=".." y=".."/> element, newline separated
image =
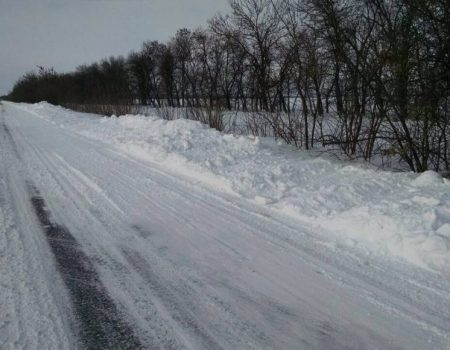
<point x="11" y="140"/>
<point x="101" y="325"/>
<point x="179" y="311"/>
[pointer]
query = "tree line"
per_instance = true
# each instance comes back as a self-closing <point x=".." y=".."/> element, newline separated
<point x="370" y="77"/>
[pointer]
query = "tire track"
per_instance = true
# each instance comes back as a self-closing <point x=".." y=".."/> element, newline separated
<point x="101" y="325"/>
<point x="179" y="312"/>
<point x="8" y="135"/>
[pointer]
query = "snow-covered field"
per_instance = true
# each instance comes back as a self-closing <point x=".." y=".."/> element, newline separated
<point x="138" y="232"/>
<point x="398" y="214"/>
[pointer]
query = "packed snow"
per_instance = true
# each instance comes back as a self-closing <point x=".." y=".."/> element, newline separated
<point x="134" y="230"/>
<point x="398" y="214"/>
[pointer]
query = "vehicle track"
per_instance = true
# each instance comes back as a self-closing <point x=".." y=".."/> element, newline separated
<point x="101" y="324"/>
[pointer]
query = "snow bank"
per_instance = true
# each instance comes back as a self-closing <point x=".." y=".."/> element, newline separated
<point x="400" y="214"/>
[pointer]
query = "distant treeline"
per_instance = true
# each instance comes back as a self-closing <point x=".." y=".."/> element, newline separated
<point x="380" y="68"/>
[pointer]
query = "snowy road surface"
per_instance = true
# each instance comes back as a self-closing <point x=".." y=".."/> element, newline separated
<point x="100" y="250"/>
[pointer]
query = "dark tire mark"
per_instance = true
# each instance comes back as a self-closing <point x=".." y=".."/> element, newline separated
<point x="101" y="325"/>
<point x="11" y="140"/>
<point x="144" y="233"/>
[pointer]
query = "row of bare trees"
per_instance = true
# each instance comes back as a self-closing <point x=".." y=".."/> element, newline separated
<point x="370" y="77"/>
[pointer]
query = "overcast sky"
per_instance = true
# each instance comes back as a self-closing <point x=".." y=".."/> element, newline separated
<point x="67" y="33"/>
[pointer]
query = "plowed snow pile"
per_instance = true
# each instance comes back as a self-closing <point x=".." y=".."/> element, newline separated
<point x="399" y="214"/>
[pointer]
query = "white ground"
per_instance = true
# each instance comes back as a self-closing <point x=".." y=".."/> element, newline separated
<point x="208" y="241"/>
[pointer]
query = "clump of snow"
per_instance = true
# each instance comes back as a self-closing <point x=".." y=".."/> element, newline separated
<point x="428" y="178"/>
<point x="444" y="231"/>
<point x="400" y="214"/>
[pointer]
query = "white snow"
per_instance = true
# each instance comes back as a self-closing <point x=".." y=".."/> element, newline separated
<point x="272" y="259"/>
<point x="399" y="214"/>
<point x="427" y="179"/>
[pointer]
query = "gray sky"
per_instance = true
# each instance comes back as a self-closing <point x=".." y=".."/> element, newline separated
<point x="67" y="33"/>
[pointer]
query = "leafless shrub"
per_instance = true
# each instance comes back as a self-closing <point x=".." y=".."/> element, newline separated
<point x="102" y="109"/>
<point x="166" y="112"/>
<point x="212" y="116"/>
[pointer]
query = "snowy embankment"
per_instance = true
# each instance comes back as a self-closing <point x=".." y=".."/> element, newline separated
<point x="397" y="214"/>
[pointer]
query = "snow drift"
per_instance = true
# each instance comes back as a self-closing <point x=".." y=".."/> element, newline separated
<point x="397" y="214"/>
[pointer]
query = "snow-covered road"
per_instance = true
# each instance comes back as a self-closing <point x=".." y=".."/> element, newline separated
<point x="101" y="250"/>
